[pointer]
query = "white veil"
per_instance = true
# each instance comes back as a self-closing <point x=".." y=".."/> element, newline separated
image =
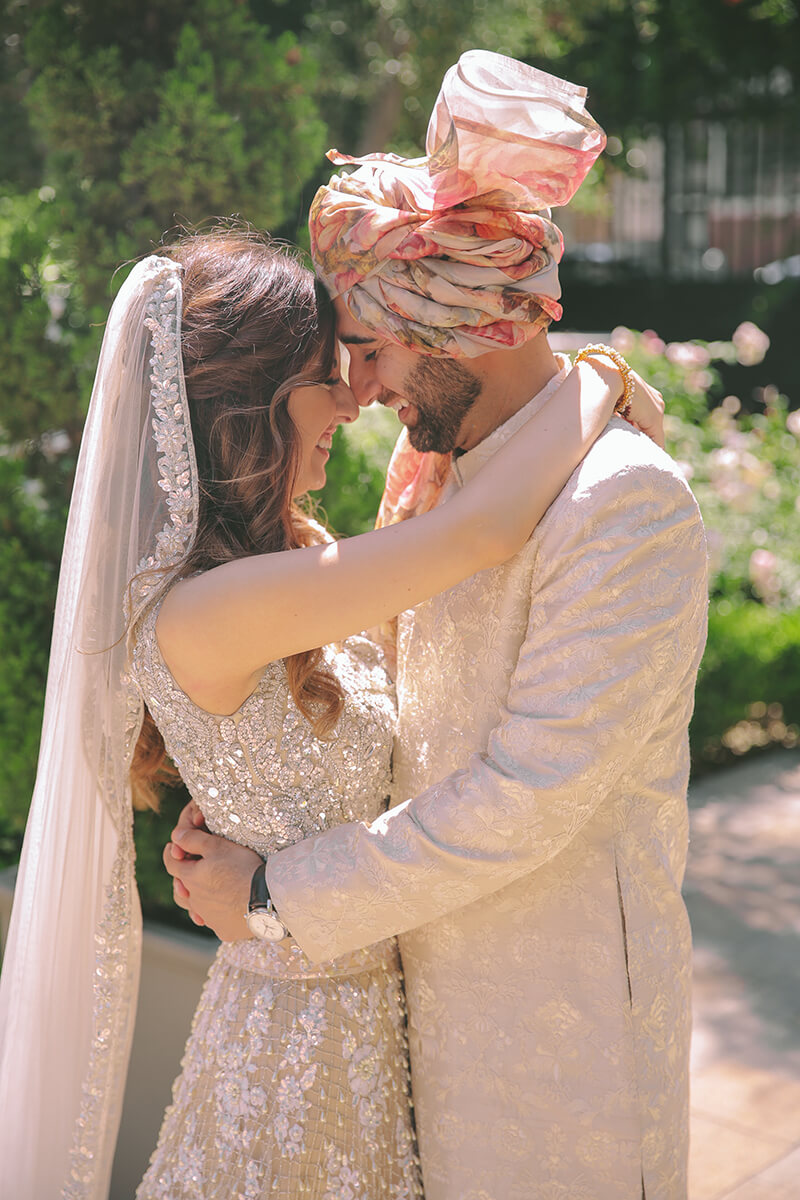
<point x="70" y="977"/>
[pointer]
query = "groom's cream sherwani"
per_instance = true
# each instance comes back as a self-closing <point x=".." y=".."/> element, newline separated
<point x="534" y="859"/>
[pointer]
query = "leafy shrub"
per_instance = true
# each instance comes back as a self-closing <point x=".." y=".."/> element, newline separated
<point x="32" y="529"/>
<point x="356" y="471"/>
<point x="748" y="690"/>
<point x="744" y="467"/>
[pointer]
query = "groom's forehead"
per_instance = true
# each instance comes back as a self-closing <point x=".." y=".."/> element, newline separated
<point x="348" y="329"/>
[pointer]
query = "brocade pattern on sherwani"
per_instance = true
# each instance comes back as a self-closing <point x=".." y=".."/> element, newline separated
<point x="534" y="857"/>
<point x="294" y="1081"/>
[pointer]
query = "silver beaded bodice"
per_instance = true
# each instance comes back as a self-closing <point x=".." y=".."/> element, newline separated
<point x="259" y="775"/>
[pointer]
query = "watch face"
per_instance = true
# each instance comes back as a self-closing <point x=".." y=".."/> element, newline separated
<point x="265" y="924"/>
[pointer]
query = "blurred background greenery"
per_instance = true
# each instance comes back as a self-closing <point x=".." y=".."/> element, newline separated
<point x="121" y="122"/>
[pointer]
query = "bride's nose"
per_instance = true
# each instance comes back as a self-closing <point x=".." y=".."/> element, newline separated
<point x="346" y="407"/>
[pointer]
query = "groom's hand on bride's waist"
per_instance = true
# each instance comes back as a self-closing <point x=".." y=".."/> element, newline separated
<point x="210" y="876"/>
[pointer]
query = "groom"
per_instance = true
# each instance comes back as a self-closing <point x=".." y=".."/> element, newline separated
<point x="533" y="858"/>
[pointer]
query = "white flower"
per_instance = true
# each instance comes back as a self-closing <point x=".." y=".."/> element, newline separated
<point x="54" y="443"/>
<point x="652" y="343"/>
<point x="763" y="574"/>
<point x="623" y="339"/>
<point x="751" y="344"/>
<point x="687" y="354"/>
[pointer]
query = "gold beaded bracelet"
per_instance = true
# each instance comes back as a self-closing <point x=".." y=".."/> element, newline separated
<point x="623" y="405"/>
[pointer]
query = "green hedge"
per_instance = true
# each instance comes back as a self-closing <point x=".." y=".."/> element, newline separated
<point x="748" y="689"/>
<point x="31" y="531"/>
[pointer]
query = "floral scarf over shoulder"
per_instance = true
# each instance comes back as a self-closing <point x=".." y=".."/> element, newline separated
<point x="414" y="482"/>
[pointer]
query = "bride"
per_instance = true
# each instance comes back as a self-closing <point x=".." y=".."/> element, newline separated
<point x="203" y="615"/>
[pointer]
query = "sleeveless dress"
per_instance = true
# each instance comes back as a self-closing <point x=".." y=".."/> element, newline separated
<point x="294" y="1081"/>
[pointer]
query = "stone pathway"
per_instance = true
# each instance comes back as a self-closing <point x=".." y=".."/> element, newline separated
<point x="743" y="895"/>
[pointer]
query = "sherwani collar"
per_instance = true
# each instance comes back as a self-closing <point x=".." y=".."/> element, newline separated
<point x="466" y="465"/>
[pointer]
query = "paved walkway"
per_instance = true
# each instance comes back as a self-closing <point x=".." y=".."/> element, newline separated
<point x="743" y="894"/>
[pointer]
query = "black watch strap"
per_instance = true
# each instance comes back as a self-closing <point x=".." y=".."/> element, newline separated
<point x="259" y="892"/>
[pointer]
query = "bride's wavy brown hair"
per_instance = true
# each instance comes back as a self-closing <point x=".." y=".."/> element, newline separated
<point x="255" y="325"/>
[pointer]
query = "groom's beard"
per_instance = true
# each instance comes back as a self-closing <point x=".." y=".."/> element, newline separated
<point x="443" y="392"/>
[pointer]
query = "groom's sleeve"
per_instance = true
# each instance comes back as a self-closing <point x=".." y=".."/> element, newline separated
<point x="614" y="637"/>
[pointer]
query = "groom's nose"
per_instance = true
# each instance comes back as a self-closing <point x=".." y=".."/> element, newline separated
<point x="363" y="381"/>
<point x="346" y="407"/>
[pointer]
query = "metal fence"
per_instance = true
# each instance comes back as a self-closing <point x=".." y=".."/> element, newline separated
<point x="704" y="200"/>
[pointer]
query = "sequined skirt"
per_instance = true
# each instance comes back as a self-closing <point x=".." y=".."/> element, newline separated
<point x="292" y="1084"/>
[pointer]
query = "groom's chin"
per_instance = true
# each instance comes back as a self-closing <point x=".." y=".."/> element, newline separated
<point x="427" y="440"/>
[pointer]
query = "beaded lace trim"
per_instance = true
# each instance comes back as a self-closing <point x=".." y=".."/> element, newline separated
<point x="117" y="938"/>
<point x="172" y="435"/>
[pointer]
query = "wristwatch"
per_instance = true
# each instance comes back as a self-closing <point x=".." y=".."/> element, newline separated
<point x="262" y="920"/>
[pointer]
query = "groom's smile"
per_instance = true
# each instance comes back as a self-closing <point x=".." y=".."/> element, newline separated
<point x="430" y="395"/>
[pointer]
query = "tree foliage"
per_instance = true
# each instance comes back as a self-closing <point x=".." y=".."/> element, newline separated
<point x="157" y="113"/>
<point x="141" y="117"/>
<point x="31" y="529"/>
<point x="385" y="58"/>
<point x="651" y="62"/>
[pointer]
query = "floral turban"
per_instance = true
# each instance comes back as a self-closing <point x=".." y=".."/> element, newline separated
<point x="455" y="253"/>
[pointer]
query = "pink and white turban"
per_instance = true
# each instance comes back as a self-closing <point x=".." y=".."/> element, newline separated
<point x="455" y="253"/>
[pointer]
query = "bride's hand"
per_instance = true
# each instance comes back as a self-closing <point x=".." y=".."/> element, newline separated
<point x="211" y="880"/>
<point x="647" y="410"/>
<point x="190" y="818"/>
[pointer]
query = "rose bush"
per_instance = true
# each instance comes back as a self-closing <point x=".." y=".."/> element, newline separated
<point x="744" y="468"/>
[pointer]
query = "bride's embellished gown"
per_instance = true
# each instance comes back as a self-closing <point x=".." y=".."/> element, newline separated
<point x="294" y="1081"/>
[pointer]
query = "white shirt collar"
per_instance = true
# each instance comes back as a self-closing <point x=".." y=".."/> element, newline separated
<point x="466" y="465"/>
